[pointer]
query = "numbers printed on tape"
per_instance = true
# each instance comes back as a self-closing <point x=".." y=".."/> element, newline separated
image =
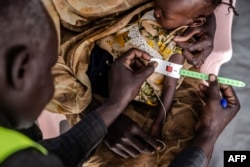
<point x="222" y="80"/>
<point x="175" y="71"/>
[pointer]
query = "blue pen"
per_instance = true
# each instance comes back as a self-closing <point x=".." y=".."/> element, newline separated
<point x="223" y="102"/>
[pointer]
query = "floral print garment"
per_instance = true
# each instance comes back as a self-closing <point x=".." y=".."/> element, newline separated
<point x="145" y="34"/>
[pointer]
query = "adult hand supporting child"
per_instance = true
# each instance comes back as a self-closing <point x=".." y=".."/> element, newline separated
<point x="196" y="52"/>
<point x="127" y="139"/>
<point x="212" y="122"/>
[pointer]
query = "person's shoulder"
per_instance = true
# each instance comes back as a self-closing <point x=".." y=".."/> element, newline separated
<point x="30" y="158"/>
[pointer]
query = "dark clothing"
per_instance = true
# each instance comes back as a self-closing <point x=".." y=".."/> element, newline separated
<point x="74" y="146"/>
<point x="190" y="157"/>
<point x="70" y="148"/>
<point x="34" y="133"/>
<point x="98" y="70"/>
<point x="32" y="158"/>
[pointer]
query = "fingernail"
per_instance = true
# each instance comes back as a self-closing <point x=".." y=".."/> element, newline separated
<point x="161" y="146"/>
<point x="155" y="64"/>
<point x="212" y="78"/>
<point x="146" y="151"/>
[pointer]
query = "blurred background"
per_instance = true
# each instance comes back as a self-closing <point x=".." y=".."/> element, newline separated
<point x="237" y="135"/>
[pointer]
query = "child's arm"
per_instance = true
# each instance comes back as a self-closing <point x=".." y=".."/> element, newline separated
<point x="169" y="87"/>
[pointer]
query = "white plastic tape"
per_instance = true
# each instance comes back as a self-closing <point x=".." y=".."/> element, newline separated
<point x="167" y="68"/>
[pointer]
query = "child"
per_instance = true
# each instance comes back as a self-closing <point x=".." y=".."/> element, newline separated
<point x="153" y="33"/>
<point x="155" y="37"/>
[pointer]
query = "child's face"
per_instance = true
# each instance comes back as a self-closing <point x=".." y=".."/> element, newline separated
<point x="171" y="14"/>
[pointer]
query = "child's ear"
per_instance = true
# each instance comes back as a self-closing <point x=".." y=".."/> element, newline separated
<point x="199" y="21"/>
<point x="17" y="66"/>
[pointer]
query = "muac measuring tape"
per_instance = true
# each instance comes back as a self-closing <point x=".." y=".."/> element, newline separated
<point x="203" y="76"/>
<point x="175" y="71"/>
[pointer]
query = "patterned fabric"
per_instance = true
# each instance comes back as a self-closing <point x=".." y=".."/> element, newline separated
<point x="147" y="35"/>
<point x="72" y="86"/>
<point x="79" y="28"/>
<point x="177" y="131"/>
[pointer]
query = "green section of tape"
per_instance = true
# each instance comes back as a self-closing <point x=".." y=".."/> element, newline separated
<point x="222" y="80"/>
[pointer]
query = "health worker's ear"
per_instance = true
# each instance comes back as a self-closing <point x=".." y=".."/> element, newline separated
<point x="199" y="21"/>
<point x="17" y="66"/>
